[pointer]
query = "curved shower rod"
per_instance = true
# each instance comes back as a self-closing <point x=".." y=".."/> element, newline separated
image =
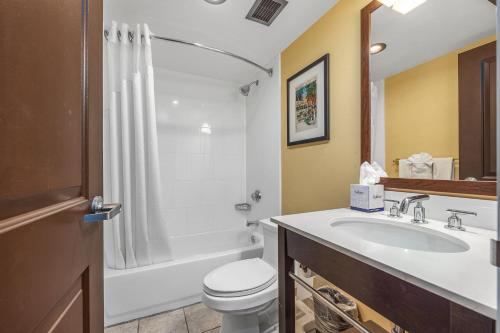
<point x="269" y="71"/>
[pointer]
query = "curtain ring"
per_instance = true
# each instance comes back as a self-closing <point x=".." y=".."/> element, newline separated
<point x="131" y="36"/>
<point x="106" y="34"/>
<point x="119" y="34"/>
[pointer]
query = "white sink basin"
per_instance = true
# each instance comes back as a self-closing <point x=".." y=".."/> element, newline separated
<point x="396" y="234"/>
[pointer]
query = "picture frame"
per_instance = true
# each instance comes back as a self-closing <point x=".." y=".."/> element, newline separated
<point x="308" y="110"/>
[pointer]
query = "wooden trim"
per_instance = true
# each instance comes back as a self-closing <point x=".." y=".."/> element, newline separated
<point x="59" y="308"/>
<point x="365" y="80"/>
<point x="484" y="189"/>
<point x="33" y="216"/>
<point x="63" y="314"/>
<point x="93" y="277"/>
<point x="458" y="187"/>
<point x="286" y="286"/>
<point x="11" y="207"/>
<point x="326" y="69"/>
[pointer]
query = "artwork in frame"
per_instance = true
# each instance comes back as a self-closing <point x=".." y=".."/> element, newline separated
<point x="308" y="104"/>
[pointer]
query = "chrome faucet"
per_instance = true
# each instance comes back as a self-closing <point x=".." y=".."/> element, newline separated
<point x="394" y="210"/>
<point x="454" y="221"/>
<point x="419" y="210"/>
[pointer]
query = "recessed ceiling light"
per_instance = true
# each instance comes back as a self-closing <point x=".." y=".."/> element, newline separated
<point x="406" y="6"/>
<point x="175" y="102"/>
<point x="377" y="48"/>
<point x="402" y="6"/>
<point x="388" y="3"/>
<point x="215" y="2"/>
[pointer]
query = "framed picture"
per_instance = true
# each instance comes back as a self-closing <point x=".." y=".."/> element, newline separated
<point x="308" y="104"/>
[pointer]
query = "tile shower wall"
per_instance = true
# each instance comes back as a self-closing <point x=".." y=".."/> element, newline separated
<point x="201" y="130"/>
<point x="263" y="144"/>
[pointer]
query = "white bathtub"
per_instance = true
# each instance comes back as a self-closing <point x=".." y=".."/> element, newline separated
<point x="143" y="291"/>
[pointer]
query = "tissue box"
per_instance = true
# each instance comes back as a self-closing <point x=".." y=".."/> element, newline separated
<point x="367" y="198"/>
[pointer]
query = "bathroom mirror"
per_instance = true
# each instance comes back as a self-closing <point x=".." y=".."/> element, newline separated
<point x="429" y="94"/>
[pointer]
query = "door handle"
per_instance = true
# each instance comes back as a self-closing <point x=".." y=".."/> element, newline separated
<point x="102" y="212"/>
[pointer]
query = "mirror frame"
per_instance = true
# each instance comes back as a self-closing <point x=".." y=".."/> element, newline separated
<point x="460" y="188"/>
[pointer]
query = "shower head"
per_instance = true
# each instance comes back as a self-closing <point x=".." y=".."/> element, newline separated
<point x="245" y="90"/>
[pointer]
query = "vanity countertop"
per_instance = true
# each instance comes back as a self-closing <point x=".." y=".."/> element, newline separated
<point x="466" y="278"/>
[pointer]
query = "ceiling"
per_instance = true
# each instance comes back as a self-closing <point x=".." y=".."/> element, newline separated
<point x="434" y="29"/>
<point x="221" y="26"/>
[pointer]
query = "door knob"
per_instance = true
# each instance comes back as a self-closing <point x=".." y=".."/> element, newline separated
<point x="101" y="211"/>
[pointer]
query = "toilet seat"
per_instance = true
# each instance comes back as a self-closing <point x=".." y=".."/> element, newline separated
<point x="240" y="278"/>
<point x="243" y="304"/>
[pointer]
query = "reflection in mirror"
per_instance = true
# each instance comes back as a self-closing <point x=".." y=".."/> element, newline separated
<point x="433" y="90"/>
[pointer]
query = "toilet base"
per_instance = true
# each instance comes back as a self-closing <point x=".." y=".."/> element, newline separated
<point x="247" y="323"/>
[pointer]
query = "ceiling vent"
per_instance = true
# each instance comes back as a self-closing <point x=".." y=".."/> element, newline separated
<point x="266" y="11"/>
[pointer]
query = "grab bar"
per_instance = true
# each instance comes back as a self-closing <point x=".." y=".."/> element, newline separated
<point x="360" y="327"/>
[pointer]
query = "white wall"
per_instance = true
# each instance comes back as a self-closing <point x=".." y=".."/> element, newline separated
<point x="263" y="140"/>
<point x="202" y="174"/>
<point x="378" y="122"/>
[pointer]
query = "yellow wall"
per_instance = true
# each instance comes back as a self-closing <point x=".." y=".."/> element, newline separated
<point x="317" y="176"/>
<point x="421" y="109"/>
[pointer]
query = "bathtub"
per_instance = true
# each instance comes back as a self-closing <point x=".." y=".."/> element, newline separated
<point x="143" y="291"/>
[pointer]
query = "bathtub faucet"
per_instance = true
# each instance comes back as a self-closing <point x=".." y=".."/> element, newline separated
<point x="253" y="223"/>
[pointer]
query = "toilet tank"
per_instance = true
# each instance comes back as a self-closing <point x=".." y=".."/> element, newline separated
<point x="270" y="232"/>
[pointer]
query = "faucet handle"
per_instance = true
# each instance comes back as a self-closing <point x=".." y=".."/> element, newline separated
<point x="394" y="210"/>
<point x="393" y="201"/>
<point x="461" y="212"/>
<point x="454" y="221"/>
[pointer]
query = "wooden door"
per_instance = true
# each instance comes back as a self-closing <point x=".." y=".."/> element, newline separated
<point x="477" y="110"/>
<point x="51" y="267"/>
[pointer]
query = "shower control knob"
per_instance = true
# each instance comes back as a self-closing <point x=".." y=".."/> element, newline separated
<point x="256" y="196"/>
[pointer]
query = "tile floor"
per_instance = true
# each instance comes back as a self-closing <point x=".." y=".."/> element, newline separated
<point x="196" y="318"/>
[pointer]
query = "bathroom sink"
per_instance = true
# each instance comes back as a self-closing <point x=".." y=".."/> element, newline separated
<point x="396" y="234"/>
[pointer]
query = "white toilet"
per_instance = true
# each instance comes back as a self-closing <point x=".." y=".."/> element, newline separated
<point x="246" y="291"/>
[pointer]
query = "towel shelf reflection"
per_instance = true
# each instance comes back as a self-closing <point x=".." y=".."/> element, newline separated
<point x="396" y="161"/>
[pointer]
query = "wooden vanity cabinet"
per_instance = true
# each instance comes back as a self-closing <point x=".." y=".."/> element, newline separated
<point x="411" y="307"/>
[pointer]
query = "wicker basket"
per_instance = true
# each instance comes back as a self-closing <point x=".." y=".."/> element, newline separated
<point x="328" y="321"/>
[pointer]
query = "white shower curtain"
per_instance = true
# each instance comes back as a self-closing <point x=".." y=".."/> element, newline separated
<point x="138" y="236"/>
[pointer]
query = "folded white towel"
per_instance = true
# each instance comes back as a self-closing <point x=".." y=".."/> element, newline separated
<point x="404" y="169"/>
<point x="421" y="170"/>
<point x="443" y="168"/>
<point x="417" y="166"/>
<point x="421" y="166"/>
<point x="420" y="158"/>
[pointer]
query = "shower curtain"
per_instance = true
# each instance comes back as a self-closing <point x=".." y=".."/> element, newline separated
<point x="138" y="236"/>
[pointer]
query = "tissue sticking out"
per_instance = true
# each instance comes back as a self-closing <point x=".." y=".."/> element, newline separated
<point x="369" y="174"/>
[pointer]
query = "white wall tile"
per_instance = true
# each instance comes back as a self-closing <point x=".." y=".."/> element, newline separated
<point x="263" y="144"/>
<point x="202" y="174"/>
<point x="181" y="166"/>
<point x="200" y="219"/>
<point x="212" y="192"/>
<point x="177" y="221"/>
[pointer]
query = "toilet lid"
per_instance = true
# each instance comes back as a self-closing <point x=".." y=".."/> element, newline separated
<point x="239" y="278"/>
